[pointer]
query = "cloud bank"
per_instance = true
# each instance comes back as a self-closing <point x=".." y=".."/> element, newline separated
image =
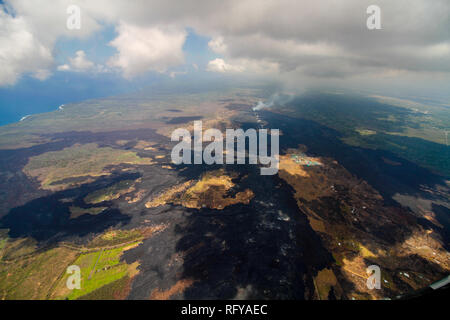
<point x="143" y="49"/>
<point x="312" y="41"/>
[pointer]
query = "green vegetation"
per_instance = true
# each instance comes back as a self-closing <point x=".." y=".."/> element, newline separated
<point x="28" y="273"/>
<point x="3" y="239"/>
<point x="430" y="155"/>
<point x="32" y="277"/>
<point x="366" y="253"/>
<point x="346" y="114"/>
<point x="88" y="160"/>
<point x="111" y="291"/>
<point x="18" y="248"/>
<point x="410" y="130"/>
<point x="3" y="243"/>
<point x="365" y="132"/>
<point x="111" y="193"/>
<point x="136" y="110"/>
<point x="114" y="237"/>
<point x="76" y="212"/>
<point x="98" y="269"/>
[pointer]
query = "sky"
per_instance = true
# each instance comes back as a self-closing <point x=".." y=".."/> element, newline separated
<point x="51" y="55"/>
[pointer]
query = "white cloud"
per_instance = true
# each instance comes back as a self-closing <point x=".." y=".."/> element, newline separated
<point x="48" y="18"/>
<point x="28" y="32"/>
<point x="63" y="67"/>
<point x="314" y="40"/>
<point x="143" y="49"/>
<point x="80" y="63"/>
<point x="241" y="65"/>
<point x="219" y="65"/>
<point x="42" y="74"/>
<point x="217" y="45"/>
<point x="20" y="51"/>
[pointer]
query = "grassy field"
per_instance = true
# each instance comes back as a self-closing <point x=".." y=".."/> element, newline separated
<point x="32" y="278"/>
<point x="3" y="243"/>
<point x="28" y="273"/>
<point x="98" y="269"/>
<point x="115" y="237"/>
<point x="18" y="248"/>
<point x="76" y="212"/>
<point x="3" y="239"/>
<point x="52" y="168"/>
<point x="116" y="290"/>
<point x="111" y="193"/>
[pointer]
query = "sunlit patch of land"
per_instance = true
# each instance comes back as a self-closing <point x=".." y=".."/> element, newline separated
<point x="210" y="191"/>
<point x="115" y="237"/>
<point x="138" y="196"/>
<point x="145" y="145"/>
<point x="121" y="142"/>
<point x="51" y="169"/>
<point x="365" y="132"/>
<point x="178" y="288"/>
<point x="344" y="211"/>
<point x="288" y="165"/>
<point x="168" y="196"/>
<point x="324" y="282"/>
<point x="312" y="181"/>
<point x="17" y="248"/>
<point x="104" y="274"/>
<point x="98" y="269"/>
<point x="3" y="240"/>
<point x="111" y="193"/>
<point x="32" y="277"/>
<point x="76" y="212"/>
<point x="19" y="141"/>
<point x="29" y="273"/>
